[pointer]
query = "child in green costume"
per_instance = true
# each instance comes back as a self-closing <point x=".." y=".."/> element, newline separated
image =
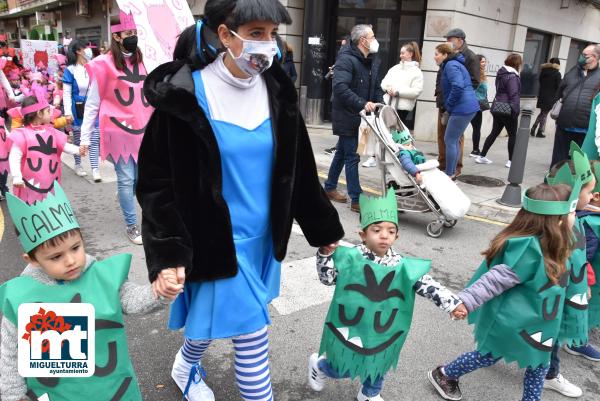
<point x="590" y="217"/>
<point x="59" y="271"/>
<point x="409" y="156"/>
<point x="516" y="297"/>
<point x="372" y="306"/>
<point x="574" y="326"/>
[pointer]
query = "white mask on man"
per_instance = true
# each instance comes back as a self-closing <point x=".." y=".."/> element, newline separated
<point x="374" y="46"/>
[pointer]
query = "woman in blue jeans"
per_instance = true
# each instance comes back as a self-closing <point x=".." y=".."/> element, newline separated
<point x="460" y="101"/>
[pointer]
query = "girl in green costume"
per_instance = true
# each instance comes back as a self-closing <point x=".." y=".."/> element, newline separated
<point x="516" y="297"/>
<point x="59" y="271"/>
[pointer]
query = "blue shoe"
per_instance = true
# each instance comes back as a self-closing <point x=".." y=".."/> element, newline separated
<point x="587" y="351"/>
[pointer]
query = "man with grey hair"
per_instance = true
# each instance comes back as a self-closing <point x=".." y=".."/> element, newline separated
<point x="577" y="91"/>
<point x="356" y="87"/>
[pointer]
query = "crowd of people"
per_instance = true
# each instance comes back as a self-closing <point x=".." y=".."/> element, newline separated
<point x="219" y="191"/>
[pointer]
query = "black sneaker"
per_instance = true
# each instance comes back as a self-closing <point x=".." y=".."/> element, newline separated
<point x="446" y="387"/>
<point x="475" y="153"/>
<point x="330" y="151"/>
<point x="540" y="134"/>
<point x="532" y="131"/>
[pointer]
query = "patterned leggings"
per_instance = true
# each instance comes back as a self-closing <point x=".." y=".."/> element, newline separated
<point x="94" y="146"/>
<point x="466" y="363"/>
<point x="251" y="363"/>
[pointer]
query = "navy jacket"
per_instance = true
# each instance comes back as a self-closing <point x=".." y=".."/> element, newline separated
<point x="591" y="241"/>
<point x="355" y="82"/>
<point x="457" y="89"/>
<point x="576" y="107"/>
<point x="508" y="89"/>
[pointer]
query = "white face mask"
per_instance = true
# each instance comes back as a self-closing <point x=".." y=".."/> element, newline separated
<point x="374" y="46"/>
<point x="256" y="57"/>
<point x="87" y="53"/>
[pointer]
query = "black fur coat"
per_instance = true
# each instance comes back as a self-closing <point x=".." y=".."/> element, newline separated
<point x="185" y="220"/>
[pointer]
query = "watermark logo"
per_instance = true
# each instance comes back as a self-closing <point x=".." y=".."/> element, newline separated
<point x="56" y="340"/>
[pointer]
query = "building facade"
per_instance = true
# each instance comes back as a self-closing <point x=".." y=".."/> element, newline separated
<point x="536" y="29"/>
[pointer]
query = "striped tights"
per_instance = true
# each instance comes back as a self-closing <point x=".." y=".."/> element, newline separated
<point x="94" y="146"/>
<point x="251" y="363"/>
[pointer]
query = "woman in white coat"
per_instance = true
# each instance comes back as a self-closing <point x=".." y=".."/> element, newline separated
<point x="402" y="84"/>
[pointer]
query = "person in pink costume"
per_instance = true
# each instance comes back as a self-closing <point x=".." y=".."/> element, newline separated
<point x="116" y="97"/>
<point x="5" y="145"/>
<point x="35" y="152"/>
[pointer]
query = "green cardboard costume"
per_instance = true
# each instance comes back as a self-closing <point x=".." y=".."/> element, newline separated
<point x="114" y="378"/>
<point x="370" y="313"/>
<point x="593" y="220"/>
<point x="523" y="323"/>
<point x="589" y="143"/>
<point x="574" y="328"/>
<point x="404" y="137"/>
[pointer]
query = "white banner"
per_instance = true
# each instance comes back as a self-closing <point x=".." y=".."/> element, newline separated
<point x="159" y="23"/>
<point x="39" y="51"/>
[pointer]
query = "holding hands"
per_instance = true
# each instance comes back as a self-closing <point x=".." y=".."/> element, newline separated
<point x="459" y="313"/>
<point x="169" y="283"/>
<point x="328" y="249"/>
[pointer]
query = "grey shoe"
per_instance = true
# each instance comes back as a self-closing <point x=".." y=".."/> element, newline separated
<point x="134" y="235"/>
<point x="79" y="170"/>
<point x="446" y="387"/>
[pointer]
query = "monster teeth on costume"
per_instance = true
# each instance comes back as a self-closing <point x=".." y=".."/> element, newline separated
<point x="356" y="341"/>
<point x="344" y="331"/>
<point x="124" y="123"/>
<point x="537" y="337"/>
<point x="548" y="342"/>
<point x="580" y="299"/>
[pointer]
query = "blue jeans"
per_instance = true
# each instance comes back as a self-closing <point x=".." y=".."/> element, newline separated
<point x="369" y="389"/>
<point x="454" y="130"/>
<point x="554" y="363"/>
<point x="345" y="156"/>
<point x="127" y="174"/>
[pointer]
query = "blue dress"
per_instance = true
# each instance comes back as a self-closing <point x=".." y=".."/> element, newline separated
<point x="237" y="305"/>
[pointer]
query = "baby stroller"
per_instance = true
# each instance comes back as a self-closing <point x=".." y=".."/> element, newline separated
<point x="437" y="193"/>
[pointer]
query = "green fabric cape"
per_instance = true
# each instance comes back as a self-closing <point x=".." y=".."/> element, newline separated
<point x="594" y="303"/>
<point x="114" y="378"/>
<point x="589" y="143"/>
<point x="370" y="313"/>
<point x="522" y="324"/>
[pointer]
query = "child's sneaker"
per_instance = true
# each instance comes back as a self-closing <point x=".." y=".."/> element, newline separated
<point x="447" y="388"/>
<point x="134" y="235"/>
<point x="587" y="351"/>
<point x="316" y="378"/>
<point x="96" y="175"/>
<point x="362" y="397"/>
<point x="563" y="386"/>
<point x="79" y="170"/>
<point x="181" y="374"/>
<point x="482" y="160"/>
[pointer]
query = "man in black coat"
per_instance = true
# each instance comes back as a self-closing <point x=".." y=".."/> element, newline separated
<point x="577" y="91"/>
<point x="457" y="38"/>
<point x="549" y="82"/>
<point x="356" y="87"/>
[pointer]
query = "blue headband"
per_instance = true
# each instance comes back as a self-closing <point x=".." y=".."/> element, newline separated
<point x="199" y="51"/>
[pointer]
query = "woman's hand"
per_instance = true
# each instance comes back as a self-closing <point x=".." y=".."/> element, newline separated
<point x="169" y="283"/>
<point x="328" y="249"/>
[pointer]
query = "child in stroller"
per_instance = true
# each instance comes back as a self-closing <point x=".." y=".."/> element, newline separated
<point x="408" y="155"/>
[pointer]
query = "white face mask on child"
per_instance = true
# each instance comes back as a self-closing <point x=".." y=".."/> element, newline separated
<point x="87" y="53"/>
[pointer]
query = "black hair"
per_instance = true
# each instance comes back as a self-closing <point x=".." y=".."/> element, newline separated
<point x="554" y="60"/>
<point x="232" y="13"/>
<point x="74" y="47"/>
<point x="54" y="241"/>
<point x="29" y="117"/>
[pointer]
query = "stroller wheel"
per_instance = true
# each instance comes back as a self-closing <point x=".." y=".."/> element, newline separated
<point x="450" y="223"/>
<point x="435" y="229"/>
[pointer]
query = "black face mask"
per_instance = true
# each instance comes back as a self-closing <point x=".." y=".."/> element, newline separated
<point x="2" y="44"/>
<point x="130" y="43"/>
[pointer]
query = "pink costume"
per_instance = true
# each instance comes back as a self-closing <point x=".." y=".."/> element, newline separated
<point x="42" y="147"/>
<point x="5" y="145"/>
<point x="124" y="112"/>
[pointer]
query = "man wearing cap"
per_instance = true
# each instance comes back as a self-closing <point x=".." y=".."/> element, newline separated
<point x="457" y="39"/>
<point x="12" y="61"/>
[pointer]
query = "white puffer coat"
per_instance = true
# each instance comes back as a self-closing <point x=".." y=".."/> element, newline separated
<point x="406" y="80"/>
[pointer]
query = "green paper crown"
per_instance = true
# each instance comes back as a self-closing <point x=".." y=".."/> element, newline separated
<point x="554" y="208"/>
<point x="43" y="220"/>
<point x="378" y="208"/>
<point x="401" y="137"/>
<point x="582" y="167"/>
<point x="596" y="172"/>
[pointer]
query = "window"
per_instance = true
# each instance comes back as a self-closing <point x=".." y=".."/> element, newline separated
<point x="537" y="47"/>
<point x="575" y="49"/>
<point x="413" y="5"/>
<point x="372" y="4"/>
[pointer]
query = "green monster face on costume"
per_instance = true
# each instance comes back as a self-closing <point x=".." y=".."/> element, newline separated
<point x="370" y="314"/>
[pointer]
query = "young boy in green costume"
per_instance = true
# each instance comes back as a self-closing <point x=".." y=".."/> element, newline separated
<point x="59" y="271"/>
<point x="410" y="156"/>
<point x="574" y="327"/>
<point x="371" y="310"/>
<point x="590" y="217"/>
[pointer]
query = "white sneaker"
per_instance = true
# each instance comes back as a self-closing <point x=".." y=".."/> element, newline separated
<point x="181" y="373"/>
<point x="563" y="386"/>
<point x="361" y="397"/>
<point x="371" y="162"/>
<point x="482" y="160"/>
<point x="96" y="175"/>
<point x="316" y="378"/>
<point x="79" y="170"/>
<point x="134" y="235"/>
<point x="507" y="165"/>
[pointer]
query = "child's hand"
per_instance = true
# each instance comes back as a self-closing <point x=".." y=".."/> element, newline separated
<point x="18" y="183"/>
<point x="168" y="284"/>
<point x="328" y="249"/>
<point x="69" y="119"/>
<point x="460" y="312"/>
<point x="419" y="178"/>
<point x="83" y="150"/>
